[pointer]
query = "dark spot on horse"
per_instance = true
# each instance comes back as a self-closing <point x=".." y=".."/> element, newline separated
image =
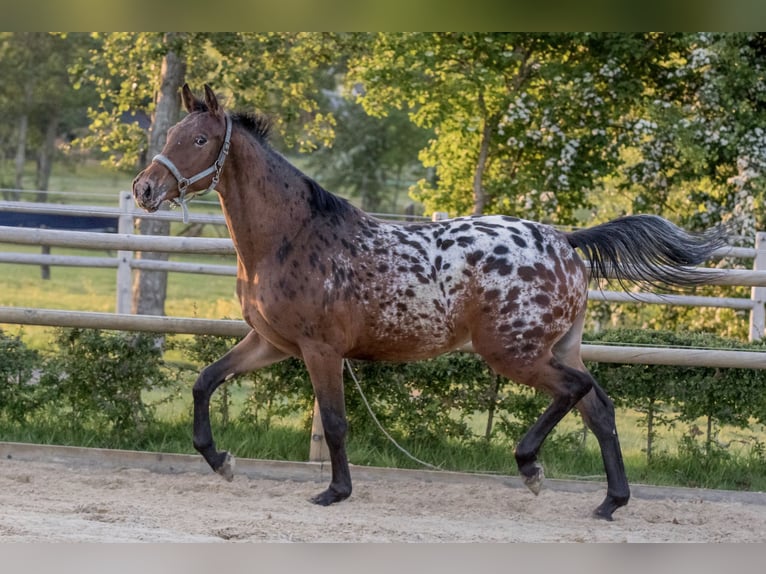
<point x="402" y="307"/>
<point x="558" y="312"/>
<point x="465" y="240"/>
<point x="542" y="299"/>
<point x="422" y="279"/>
<point x="534" y="333"/>
<point x="492" y="294"/>
<point x="501" y="266"/>
<point x="547" y="318"/>
<point x="509" y="218"/>
<point x="536" y="234"/>
<point x="463" y="227"/>
<point x="487" y="230"/>
<point x="438" y="262"/>
<point x="445" y="244"/>
<point x="439" y="307"/>
<point x="518" y="241"/>
<point x="528" y="348"/>
<point x="313" y="259"/>
<point x="474" y="258"/>
<point x="402" y="269"/>
<point x="417" y="268"/>
<point x="519" y="323"/>
<point x="349" y="247"/>
<point x="504" y="328"/>
<point x="500" y="250"/>
<point x="382" y="268"/>
<point x="527" y="273"/>
<point x="284" y="250"/>
<point x="409" y="292"/>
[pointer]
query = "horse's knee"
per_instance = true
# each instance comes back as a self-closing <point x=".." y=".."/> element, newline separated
<point x="207" y="381"/>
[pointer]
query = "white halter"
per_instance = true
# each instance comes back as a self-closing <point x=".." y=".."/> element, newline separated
<point x="184" y="183"/>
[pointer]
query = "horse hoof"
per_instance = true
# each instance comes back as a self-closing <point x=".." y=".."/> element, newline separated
<point x="226" y="469"/>
<point x="610" y="504"/>
<point x="328" y="497"/>
<point x="534" y="482"/>
<point x="603" y="514"/>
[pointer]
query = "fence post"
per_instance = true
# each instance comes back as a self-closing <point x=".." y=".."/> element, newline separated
<point x="319" y="452"/>
<point x="758" y="294"/>
<point x="125" y="224"/>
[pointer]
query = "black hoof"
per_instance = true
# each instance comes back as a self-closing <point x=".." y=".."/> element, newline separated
<point x="603" y="514"/>
<point x="329" y="496"/>
<point x="610" y="504"/>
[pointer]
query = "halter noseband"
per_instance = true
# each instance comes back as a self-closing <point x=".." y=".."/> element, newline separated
<point x="184" y="182"/>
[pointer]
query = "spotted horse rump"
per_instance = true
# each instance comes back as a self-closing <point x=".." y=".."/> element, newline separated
<point x="321" y="280"/>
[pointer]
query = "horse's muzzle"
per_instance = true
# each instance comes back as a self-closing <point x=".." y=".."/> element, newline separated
<point x="147" y="195"/>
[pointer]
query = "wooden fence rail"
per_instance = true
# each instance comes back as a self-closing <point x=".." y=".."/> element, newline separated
<point x="126" y="243"/>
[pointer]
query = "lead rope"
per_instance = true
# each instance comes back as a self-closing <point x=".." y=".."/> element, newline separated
<point x="380" y="426"/>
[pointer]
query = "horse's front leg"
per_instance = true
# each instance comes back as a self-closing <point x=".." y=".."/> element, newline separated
<point x="325" y="368"/>
<point x="249" y="354"/>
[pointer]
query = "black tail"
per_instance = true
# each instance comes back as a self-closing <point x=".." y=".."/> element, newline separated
<point x="647" y="249"/>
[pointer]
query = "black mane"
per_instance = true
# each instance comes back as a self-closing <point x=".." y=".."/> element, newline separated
<point x="257" y="125"/>
<point x="321" y="201"/>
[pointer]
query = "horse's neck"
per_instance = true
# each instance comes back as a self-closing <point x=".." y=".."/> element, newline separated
<point x="263" y="204"/>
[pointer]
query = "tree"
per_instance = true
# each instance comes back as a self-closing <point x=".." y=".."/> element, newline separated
<point x="526" y="122"/>
<point x="370" y="157"/>
<point x="38" y="101"/>
<point x="150" y="287"/>
<point x="703" y="133"/>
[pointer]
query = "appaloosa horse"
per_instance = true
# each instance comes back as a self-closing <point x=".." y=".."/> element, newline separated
<point x="321" y="280"/>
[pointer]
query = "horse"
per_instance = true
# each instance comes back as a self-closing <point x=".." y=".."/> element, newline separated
<point x="323" y="281"/>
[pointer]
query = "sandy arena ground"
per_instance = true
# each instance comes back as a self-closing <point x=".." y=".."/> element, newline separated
<point x="69" y="502"/>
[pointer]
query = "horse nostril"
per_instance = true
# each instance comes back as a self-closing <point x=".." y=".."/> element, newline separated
<point x="147" y="192"/>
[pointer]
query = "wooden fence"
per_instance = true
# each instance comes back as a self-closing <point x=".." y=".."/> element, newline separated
<point x="126" y="243"/>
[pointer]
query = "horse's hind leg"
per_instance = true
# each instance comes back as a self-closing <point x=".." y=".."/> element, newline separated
<point x="325" y="368"/>
<point x="567" y="386"/>
<point x="597" y="411"/>
<point x="249" y="354"/>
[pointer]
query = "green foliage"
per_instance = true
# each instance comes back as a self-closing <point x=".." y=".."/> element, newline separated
<point x="18" y="367"/>
<point x="370" y="157"/>
<point x="527" y="122"/>
<point x="96" y="379"/>
<point x="666" y="393"/>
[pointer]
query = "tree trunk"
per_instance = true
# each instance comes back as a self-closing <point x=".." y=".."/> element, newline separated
<point x="45" y="158"/>
<point x="149" y="287"/>
<point x="495" y="391"/>
<point x="21" y="154"/>
<point x="479" y="196"/>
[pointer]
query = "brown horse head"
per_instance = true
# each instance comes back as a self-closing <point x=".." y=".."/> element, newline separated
<point x="193" y="156"/>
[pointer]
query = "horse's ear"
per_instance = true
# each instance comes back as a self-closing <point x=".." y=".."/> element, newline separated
<point x="188" y="98"/>
<point x="211" y="100"/>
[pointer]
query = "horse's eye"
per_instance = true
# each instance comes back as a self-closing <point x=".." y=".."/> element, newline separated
<point x="200" y="140"/>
